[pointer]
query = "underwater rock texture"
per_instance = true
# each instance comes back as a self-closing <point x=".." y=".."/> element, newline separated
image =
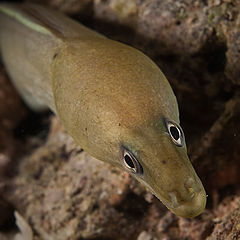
<point x="63" y="193"/>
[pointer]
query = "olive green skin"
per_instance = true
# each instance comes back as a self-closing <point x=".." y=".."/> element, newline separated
<point x="109" y="96"/>
<point x="119" y="97"/>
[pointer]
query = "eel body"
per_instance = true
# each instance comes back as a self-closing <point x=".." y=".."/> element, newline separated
<point x="112" y="99"/>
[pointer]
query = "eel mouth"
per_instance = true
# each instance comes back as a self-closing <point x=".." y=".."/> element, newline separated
<point x="190" y="208"/>
<point x="195" y="202"/>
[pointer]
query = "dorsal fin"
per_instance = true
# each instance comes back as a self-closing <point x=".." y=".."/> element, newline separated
<point x="47" y="21"/>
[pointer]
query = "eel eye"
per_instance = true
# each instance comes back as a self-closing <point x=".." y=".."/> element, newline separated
<point x="131" y="163"/>
<point x="175" y="133"/>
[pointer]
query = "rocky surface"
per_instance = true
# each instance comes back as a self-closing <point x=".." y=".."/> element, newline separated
<point x="63" y="193"/>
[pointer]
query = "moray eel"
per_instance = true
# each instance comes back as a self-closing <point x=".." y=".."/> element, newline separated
<point x="111" y="98"/>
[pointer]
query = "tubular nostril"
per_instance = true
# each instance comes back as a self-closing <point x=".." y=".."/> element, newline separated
<point x="191" y="192"/>
<point x="174" y="200"/>
<point x="192" y="186"/>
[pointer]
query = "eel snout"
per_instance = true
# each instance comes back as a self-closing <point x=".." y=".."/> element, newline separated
<point x="194" y="199"/>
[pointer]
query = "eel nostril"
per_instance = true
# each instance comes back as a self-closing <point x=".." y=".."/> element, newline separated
<point x="192" y="186"/>
<point x="174" y="200"/>
<point x="191" y="192"/>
